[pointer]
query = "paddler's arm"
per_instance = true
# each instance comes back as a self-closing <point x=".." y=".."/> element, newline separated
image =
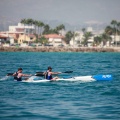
<point x="45" y="73"/>
<point x="26" y="75"/>
<point x="55" y="73"/>
<point x="14" y="74"/>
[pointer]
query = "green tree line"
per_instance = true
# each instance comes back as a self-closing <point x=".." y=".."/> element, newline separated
<point x="43" y="29"/>
<point x="112" y="29"/>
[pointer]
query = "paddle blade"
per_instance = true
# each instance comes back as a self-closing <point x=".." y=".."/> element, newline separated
<point x="39" y="74"/>
<point x="67" y="72"/>
<point x="10" y="74"/>
<point x="103" y="77"/>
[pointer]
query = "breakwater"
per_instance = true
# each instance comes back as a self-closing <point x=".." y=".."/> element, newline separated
<point x="58" y="49"/>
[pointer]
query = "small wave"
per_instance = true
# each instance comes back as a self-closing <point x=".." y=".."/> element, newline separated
<point x="4" y="78"/>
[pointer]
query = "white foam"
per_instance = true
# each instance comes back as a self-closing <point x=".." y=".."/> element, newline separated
<point x="4" y="78"/>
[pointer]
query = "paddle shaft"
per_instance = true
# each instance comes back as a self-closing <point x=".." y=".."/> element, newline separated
<point x="61" y="72"/>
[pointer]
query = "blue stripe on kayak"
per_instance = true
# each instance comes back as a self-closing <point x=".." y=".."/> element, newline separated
<point x="102" y="77"/>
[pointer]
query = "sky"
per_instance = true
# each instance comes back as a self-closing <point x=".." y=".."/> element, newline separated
<point x="69" y="11"/>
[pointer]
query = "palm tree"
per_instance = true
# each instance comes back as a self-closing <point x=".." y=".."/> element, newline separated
<point x="109" y="30"/>
<point x="118" y="26"/>
<point x="35" y="23"/>
<point x="30" y="22"/>
<point x="41" y="25"/>
<point x="68" y="36"/>
<point x="87" y="36"/>
<point x="60" y="28"/>
<point x="24" y="21"/>
<point x="74" y="35"/>
<point x="46" y="29"/>
<point x="105" y="37"/>
<point x="114" y="23"/>
<point x="97" y="40"/>
<point x="83" y="30"/>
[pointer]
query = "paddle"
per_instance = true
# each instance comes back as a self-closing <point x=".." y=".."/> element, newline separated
<point x="39" y="73"/>
<point x="10" y="74"/>
<point x="67" y="72"/>
<point x="61" y="72"/>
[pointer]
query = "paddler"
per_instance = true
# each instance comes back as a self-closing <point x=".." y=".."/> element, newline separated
<point x="18" y="75"/>
<point x="48" y="74"/>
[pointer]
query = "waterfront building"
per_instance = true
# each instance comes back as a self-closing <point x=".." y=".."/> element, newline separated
<point x="20" y="33"/>
<point x="21" y="28"/>
<point x="55" y="39"/>
<point x="26" y="38"/>
<point x="5" y="38"/>
<point x="77" y="39"/>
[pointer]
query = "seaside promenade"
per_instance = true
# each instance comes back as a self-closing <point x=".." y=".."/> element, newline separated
<point x="59" y="49"/>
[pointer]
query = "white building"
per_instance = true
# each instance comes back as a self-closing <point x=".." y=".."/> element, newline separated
<point x="78" y="38"/>
<point x="21" y="28"/>
<point x="15" y="32"/>
<point x="6" y="38"/>
<point x="55" y="39"/>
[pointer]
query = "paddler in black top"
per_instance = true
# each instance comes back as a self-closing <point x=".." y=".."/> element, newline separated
<point x="18" y="75"/>
<point x="48" y="74"/>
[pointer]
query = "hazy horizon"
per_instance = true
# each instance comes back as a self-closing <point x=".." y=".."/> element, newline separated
<point x="66" y="11"/>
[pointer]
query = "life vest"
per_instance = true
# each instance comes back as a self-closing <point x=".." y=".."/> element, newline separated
<point x="48" y="77"/>
<point x="16" y="77"/>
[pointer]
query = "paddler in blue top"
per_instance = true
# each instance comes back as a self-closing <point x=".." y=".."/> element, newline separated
<point x="18" y="75"/>
<point x="48" y="74"/>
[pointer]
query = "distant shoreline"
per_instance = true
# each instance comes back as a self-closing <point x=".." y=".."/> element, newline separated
<point x="59" y="49"/>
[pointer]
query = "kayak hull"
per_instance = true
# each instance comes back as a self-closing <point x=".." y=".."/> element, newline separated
<point x="77" y="78"/>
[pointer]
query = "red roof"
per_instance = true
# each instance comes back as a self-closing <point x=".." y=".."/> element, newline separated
<point x="53" y="36"/>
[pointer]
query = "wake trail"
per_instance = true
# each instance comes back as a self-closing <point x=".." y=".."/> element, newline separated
<point x="4" y="78"/>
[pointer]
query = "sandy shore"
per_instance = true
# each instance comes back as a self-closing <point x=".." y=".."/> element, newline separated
<point x="58" y="49"/>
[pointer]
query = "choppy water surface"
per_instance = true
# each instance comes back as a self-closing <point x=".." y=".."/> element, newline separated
<point x="60" y="100"/>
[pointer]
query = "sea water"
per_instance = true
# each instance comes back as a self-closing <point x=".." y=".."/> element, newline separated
<point x="62" y="100"/>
